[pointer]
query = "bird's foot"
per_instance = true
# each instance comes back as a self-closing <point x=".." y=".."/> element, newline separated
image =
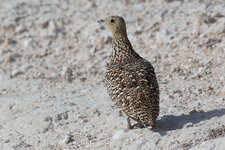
<point x="138" y="125"/>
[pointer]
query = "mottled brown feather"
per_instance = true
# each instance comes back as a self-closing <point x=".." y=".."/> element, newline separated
<point x="130" y="79"/>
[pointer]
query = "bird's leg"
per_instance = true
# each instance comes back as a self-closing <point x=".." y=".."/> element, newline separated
<point x="128" y="123"/>
<point x="140" y="125"/>
<point x="128" y="120"/>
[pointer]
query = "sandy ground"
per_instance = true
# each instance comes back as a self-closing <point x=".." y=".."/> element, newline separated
<point x="52" y="63"/>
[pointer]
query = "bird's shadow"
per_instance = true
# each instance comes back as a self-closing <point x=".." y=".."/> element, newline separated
<point x="171" y="122"/>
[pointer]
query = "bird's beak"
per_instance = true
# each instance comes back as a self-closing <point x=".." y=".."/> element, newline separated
<point x="100" y="21"/>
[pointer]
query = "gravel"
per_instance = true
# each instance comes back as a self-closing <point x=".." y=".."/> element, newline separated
<point x="52" y="62"/>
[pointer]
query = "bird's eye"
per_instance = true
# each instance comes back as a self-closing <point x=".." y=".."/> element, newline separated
<point x="112" y="20"/>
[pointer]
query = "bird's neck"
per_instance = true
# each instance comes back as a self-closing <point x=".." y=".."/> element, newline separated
<point x="122" y="49"/>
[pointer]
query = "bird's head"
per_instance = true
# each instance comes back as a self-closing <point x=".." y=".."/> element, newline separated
<point x="116" y="24"/>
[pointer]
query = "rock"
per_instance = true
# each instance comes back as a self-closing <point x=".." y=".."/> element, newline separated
<point x="45" y="24"/>
<point x="9" y="41"/>
<point x="132" y="139"/>
<point x="61" y="116"/>
<point x="25" y="67"/>
<point x="118" y="134"/>
<point x="198" y="91"/>
<point x="156" y="139"/>
<point x="217" y="15"/>
<point x="70" y="103"/>
<point x="7" y="141"/>
<point x="174" y="109"/>
<point x="59" y="49"/>
<point x="209" y="42"/>
<point x="16" y="72"/>
<point x="208" y="19"/>
<point x="84" y="120"/>
<point x="52" y="29"/>
<point x="190" y="124"/>
<point x="163" y="12"/>
<point x="210" y="88"/>
<point x="67" y="73"/>
<point x="96" y="112"/>
<point x="47" y="119"/>
<point x="223" y="91"/>
<point x="204" y="62"/>
<point x="20" y="29"/>
<point x="93" y="51"/>
<point x="66" y="139"/>
<point x="139" y="29"/>
<point x="141" y="141"/>
<point x="11" y="58"/>
<point x="49" y="126"/>
<point x="27" y="43"/>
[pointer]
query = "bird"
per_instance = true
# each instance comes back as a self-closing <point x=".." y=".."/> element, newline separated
<point x="130" y="79"/>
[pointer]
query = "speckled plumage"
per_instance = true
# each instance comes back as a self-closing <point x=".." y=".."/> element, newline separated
<point x="130" y="79"/>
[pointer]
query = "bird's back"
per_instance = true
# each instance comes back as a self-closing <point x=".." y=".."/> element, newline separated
<point x="133" y="86"/>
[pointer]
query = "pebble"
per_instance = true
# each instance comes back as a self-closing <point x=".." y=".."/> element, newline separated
<point x="217" y="15"/>
<point x="118" y="134"/>
<point x="204" y="62"/>
<point x="93" y="51"/>
<point x="59" y="49"/>
<point x="190" y="124"/>
<point x="48" y="119"/>
<point x="66" y="139"/>
<point x="174" y="109"/>
<point x="156" y="139"/>
<point x="7" y="141"/>
<point x="11" y="58"/>
<point x="9" y="41"/>
<point x="20" y="29"/>
<point x="223" y="91"/>
<point x="208" y="19"/>
<point x="61" y="116"/>
<point x="96" y="112"/>
<point x="16" y="72"/>
<point x="52" y="29"/>
<point x="141" y="141"/>
<point x="25" y="67"/>
<point x="163" y="12"/>
<point x="209" y="42"/>
<point x="84" y="120"/>
<point x="28" y="43"/>
<point x="67" y="73"/>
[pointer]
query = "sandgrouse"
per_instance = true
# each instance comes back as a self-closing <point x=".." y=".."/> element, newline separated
<point x="130" y="79"/>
